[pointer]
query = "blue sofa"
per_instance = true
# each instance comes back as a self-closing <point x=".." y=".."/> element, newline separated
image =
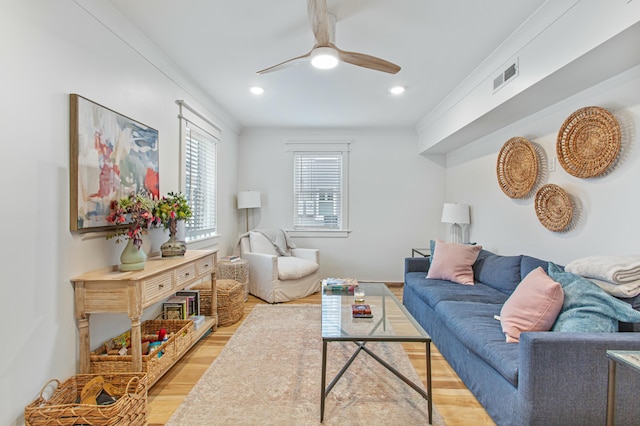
<point x="549" y="378"/>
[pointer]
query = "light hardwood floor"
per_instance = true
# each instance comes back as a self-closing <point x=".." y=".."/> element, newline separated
<point x="453" y="400"/>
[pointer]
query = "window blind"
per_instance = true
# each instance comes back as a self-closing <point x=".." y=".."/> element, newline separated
<point x="200" y="180"/>
<point x="317" y="190"/>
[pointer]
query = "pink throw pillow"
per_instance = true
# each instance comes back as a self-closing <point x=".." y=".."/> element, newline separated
<point x="534" y="305"/>
<point x="453" y="262"/>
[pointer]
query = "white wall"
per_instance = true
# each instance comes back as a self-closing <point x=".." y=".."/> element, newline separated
<point x="49" y="50"/>
<point x="608" y="205"/>
<point x="395" y="197"/>
<point x="565" y="47"/>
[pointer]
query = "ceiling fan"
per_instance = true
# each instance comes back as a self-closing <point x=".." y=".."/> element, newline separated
<point x="323" y="24"/>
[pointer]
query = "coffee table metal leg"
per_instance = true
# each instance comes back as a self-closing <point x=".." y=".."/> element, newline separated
<point x="611" y="393"/>
<point x="323" y="393"/>
<point x="430" y="400"/>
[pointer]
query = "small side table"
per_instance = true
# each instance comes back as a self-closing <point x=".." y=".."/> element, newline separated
<point x="424" y="252"/>
<point x="237" y="270"/>
<point x="631" y="359"/>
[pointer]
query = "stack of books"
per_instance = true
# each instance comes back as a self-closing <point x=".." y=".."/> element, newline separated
<point x="231" y="258"/>
<point x="339" y="285"/>
<point x="198" y="320"/>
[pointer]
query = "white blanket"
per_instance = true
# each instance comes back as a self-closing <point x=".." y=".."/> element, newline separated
<point x="617" y="269"/>
<point x="618" y="275"/>
<point x="631" y="289"/>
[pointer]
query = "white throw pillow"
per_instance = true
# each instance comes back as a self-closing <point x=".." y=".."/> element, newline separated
<point x="260" y="244"/>
<point x="292" y="268"/>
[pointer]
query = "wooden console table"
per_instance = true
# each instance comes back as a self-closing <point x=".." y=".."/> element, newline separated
<point x="108" y="290"/>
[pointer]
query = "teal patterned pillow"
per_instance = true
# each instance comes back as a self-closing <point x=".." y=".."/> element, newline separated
<point x="588" y="308"/>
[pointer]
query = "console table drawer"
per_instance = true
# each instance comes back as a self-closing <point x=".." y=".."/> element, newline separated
<point x="205" y="265"/>
<point x="185" y="274"/>
<point x="158" y="286"/>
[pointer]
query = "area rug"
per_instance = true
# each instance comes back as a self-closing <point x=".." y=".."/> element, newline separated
<point x="270" y="370"/>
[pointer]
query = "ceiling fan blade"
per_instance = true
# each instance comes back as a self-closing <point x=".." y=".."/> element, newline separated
<point x="286" y="64"/>
<point x="317" y="10"/>
<point x="367" y="61"/>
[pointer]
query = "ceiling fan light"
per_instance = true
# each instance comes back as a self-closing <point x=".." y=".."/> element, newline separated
<point x="324" y="58"/>
<point x="397" y="90"/>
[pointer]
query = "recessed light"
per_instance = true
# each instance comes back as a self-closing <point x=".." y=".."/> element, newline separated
<point x="396" y="90"/>
<point x="256" y="90"/>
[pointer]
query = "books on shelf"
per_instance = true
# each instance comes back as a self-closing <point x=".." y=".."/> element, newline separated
<point x="193" y="301"/>
<point x="176" y="307"/>
<point x="361" y="311"/>
<point x="339" y="285"/>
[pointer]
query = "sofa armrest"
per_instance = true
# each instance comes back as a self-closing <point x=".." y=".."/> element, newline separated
<point x="566" y="373"/>
<point x="416" y="264"/>
<point x="307" y="253"/>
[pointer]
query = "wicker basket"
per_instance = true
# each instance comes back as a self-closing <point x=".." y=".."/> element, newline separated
<point x="588" y="142"/>
<point x="553" y="208"/>
<point x="156" y="363"/>
<point x="517" y="167"/>
<point x="230" y="302"/>
<point x="62" y="409"/>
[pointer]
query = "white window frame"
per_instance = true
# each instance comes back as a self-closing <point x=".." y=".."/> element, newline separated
<point x="191" y="118"/>
<point x="322" y="147"/>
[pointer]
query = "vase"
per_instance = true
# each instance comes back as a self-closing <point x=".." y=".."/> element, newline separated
<point x="132" y="257"/>
<point x="173" y="247"/>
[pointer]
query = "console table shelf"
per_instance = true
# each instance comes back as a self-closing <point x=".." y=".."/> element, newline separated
<point x="108" y="290"/>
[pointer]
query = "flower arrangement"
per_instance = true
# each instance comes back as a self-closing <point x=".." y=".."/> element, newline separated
<point x="171" y="208"/>
<point x="132" y="216"/>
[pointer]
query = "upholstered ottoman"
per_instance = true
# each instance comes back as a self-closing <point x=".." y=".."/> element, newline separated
<point x="230" y="302"/>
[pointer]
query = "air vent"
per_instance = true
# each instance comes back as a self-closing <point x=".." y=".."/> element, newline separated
<point x="506" y="76"/>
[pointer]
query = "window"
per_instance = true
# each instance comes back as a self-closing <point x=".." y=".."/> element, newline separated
<point x="199" y="174"/>
<point x="319" y="187"/>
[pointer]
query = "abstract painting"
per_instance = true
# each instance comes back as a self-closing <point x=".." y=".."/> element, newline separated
<point x="111" y="156"/>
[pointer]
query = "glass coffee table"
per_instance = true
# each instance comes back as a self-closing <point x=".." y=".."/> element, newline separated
<point x="391" y="322"/>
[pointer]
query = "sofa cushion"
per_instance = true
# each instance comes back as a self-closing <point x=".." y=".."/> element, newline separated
<point x="292" y="268"/>
<point x="588" y="308"/>
<point x="533" y="306"/>
<point x="529" y="263"/>
<point x="474" y="325"/>
<point x="261" y="244"/>
<point x="453" y="262"/>
<point x="499" y="272"/>
<point x="433" y="292"/>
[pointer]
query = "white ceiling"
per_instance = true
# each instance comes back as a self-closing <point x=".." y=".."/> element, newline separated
<point x="220" y="44"/>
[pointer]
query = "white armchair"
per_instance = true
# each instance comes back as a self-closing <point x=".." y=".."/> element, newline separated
<point x="276" y="278"/>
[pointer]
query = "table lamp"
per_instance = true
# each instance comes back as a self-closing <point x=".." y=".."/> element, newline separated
<point x="456" y="215"/>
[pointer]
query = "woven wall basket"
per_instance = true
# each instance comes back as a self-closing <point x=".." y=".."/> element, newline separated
<point x="588" y="142"/>
<point x="517" y="167"/>
<point x="553" y="208"/>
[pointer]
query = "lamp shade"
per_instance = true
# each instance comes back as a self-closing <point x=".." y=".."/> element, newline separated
<point x="455" y="213"/>
<point x="248" y="199"/>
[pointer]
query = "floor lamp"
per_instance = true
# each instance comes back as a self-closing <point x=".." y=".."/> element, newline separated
<point x="248" y="200"/>
<point x="457" y="215"/>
